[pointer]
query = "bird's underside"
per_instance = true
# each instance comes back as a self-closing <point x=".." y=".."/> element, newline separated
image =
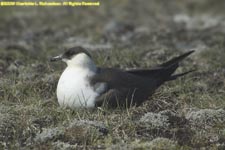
<point x="132" y="87"/>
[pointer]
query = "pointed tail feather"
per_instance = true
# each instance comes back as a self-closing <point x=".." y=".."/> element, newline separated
<point x="176" y="59"/>
<point x="164" y="71"/>
<point x="173" y="64"/>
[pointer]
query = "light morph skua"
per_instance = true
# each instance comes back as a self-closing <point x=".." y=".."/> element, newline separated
<point x="85" y="85"/>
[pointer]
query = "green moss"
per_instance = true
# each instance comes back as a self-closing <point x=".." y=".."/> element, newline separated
<point x="30" y="36"/>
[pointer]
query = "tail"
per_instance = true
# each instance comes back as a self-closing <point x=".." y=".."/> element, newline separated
<point x="164" y="71"/>
<point x="173" y="64"/>
<point x="176" y="60"/>
<point x="173" y="77"/>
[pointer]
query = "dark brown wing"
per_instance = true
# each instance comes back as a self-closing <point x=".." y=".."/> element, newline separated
<point x="134" y="86"/>
<point x="115" y="78"/>
<point x="123" y="88"/>
<point x="123" y="97"/>
<point x="158" y="72"/>
<point x="163" y="71"/>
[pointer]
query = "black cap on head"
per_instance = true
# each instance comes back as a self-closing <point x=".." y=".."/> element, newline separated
<point x="74" y="51"/>
<point x="70" y="53"/>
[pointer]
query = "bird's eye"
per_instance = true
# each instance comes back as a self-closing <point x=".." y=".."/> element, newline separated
<point x="70" y="53"/>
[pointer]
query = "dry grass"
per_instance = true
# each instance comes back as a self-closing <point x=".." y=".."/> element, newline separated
<point x="28" y="105"/>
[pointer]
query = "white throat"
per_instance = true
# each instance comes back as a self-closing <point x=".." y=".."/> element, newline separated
<point x="74" y="89"/>
<point x="82" y="61"/>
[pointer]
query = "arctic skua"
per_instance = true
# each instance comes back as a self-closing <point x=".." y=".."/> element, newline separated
<point x="85" y="85"/>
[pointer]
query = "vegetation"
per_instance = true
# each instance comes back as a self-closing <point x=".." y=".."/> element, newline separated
<point x="184" y="114"/>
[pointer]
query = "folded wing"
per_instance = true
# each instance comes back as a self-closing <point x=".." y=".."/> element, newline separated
<point x="132" y="87"/>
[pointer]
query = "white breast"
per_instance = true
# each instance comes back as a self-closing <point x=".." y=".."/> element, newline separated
<point x="74" y="90"/>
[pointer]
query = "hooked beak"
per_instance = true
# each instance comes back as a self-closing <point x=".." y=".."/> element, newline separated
<point x="56" y="58"/>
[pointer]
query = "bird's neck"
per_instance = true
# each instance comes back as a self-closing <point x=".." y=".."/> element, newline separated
<point x="82" y="61"/>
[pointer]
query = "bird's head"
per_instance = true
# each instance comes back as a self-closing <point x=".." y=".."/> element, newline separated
<point x="76" y="56"/>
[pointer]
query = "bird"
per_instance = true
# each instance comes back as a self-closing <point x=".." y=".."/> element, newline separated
<point x="83" y="84"/>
